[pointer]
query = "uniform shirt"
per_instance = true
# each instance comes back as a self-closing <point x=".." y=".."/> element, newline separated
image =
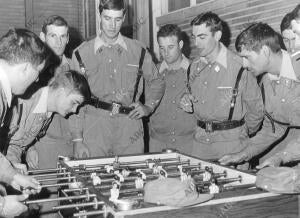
<point x="282" y="102"/>
<point x="7" y="172"/>
<point x="59" y="126"/>
<point x="212" y="85"/>
<point x="169" y="122"/>
<point x="30" y="125"/>
<point x="112" y="71"/>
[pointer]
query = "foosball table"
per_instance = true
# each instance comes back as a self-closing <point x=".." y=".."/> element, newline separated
<point x="113" y="187"/>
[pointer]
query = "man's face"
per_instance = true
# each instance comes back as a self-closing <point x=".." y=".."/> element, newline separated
<point x="56" y="38"/>
<point x="27" y="75"/>
<point x="68" y="101"/>
<point x="255" y="62"/>
<point x="289" y="39"/>
<point x="295" y="23"/>
<point x="204" y="39"/>
<point x="111" y="22"/>
<point x="170" y="48"/>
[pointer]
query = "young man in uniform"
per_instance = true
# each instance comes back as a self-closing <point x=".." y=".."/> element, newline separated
<point x="116" y="67"/>
<point x="224" y="97"/>
<point x="32" y="117"/>
<point x="65" y="92"/>
<point x="57" y="141"/>
<point x="22" y="57"/>
<point x="170" y="127"/>
<point x="260" y="49"/>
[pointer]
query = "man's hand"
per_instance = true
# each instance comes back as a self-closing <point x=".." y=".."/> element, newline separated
<point x="273" y="161"/>
<point x="21" y="168"/>
<point x="139" y="111"/>
<point x="32" y="158"/>
<point x="28" y="183"/>
<point x="231" y="159"/>
<point x="186" y="103"/>
<point x="13" y="206"/>
<point x="81" y="150"/>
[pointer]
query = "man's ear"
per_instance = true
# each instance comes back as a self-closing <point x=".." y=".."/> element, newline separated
<point x="42" y="36"/>
<point x="68" y="38"/>
<point x="180" y="44"/>
<point x="266" y="50"/>
<point x="218" y="35"/>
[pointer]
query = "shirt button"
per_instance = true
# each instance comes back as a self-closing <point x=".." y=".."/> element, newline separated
<point x="109" y="60"/>
<point x="173" y="102"/>
<point x="173" y="133"/>
<point x="115" y="70"/>
<point x="283" y="100"/>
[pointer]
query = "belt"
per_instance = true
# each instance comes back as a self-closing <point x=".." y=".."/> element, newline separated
<point x="114" y="107"/>
<point x="211" y="126"/>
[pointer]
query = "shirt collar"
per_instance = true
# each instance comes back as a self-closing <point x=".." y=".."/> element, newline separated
<point x="99" y="42"/>
<point x="6" y="86"/>
<point x="184" y="64"/>
<point x="41" y="106"/>
<point x="64" y="60"/>
<point x="221" y="58"/>
<point x="287" y="70"/>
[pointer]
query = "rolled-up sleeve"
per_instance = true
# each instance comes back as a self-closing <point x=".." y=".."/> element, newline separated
<point x="264" y="138"/>
<point x="252" y="98"/>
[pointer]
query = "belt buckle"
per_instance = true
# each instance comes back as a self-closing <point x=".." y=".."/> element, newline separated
<point x="208" y="126"/>
<point x="115" y="108"/>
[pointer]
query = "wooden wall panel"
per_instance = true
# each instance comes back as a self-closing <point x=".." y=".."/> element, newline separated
<point x="237" y="13"/>
<point x="12" y="14"/>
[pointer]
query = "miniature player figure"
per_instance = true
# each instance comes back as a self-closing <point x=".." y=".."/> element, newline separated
<point x="183" y="175"/>
<point x="139" y="183"/>
<point x="162" y="173"/>
<point x="213" y="188"/>
<point x="96" y="179"/>
<point x="206" y="176"/>
<point x="115" y="191"/>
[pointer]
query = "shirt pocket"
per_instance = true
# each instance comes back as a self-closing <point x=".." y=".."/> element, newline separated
<point x="35" y="128"/>
<point x="130" y="75"/>
<point x="224" y="96"/>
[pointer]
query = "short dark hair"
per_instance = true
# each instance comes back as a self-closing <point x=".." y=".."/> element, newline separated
<point x="296" y="12"/>
<point x="170" y="30"/>
<point x="286" y="22"/>
<point x="21" y="45"/>
<point x="117" y="5"/>
<point x="257" y="35"/>
<point x="211" y="20"/>
<point x="72" y="80"/>
<point x="54" y="20"/>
